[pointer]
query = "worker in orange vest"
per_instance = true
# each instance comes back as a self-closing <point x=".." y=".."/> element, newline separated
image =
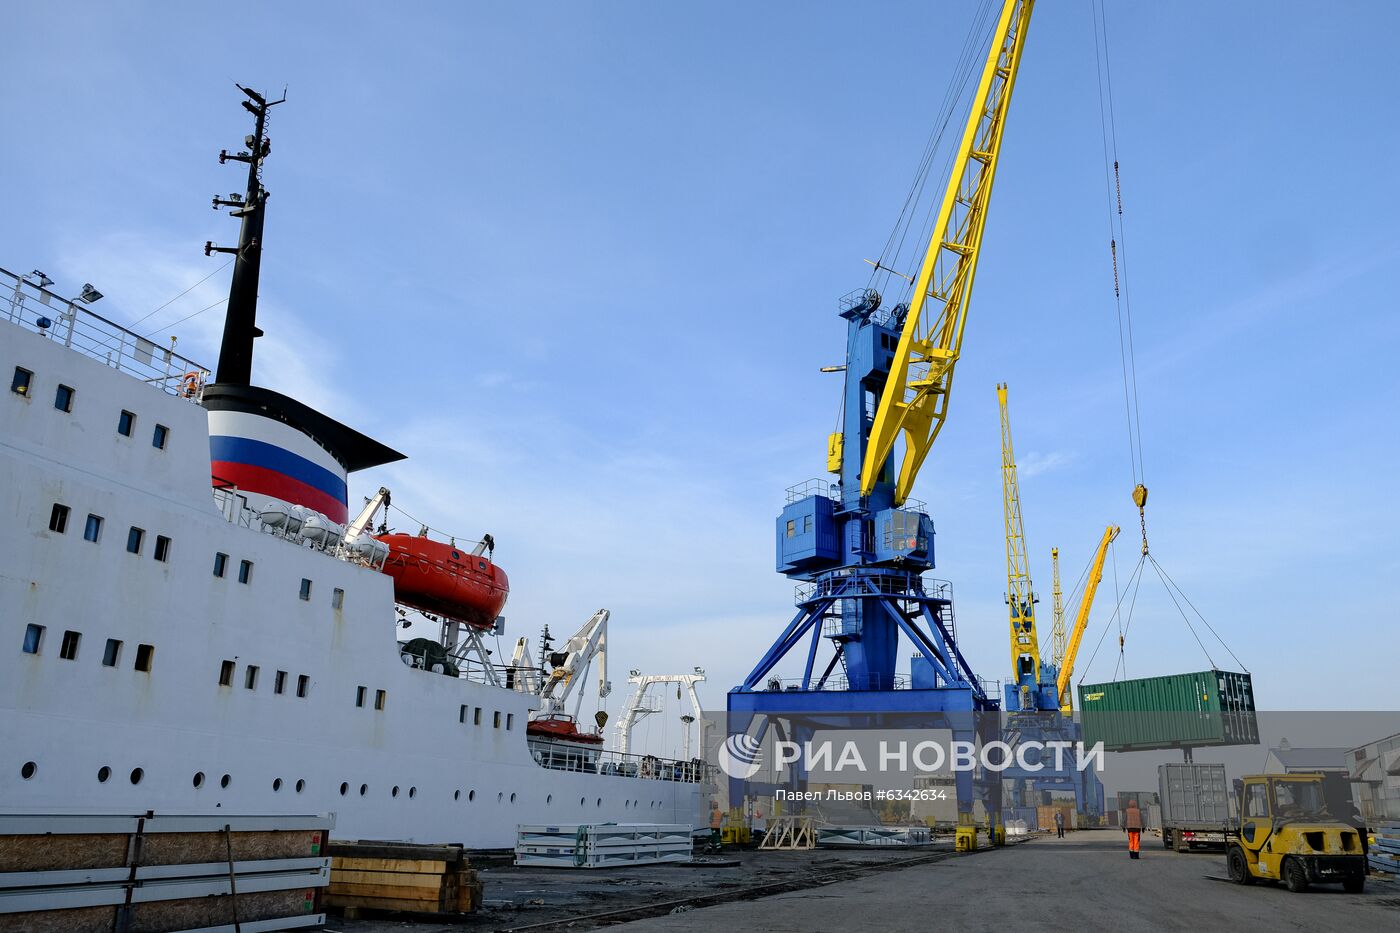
<point x="716" y="825"/>
<point x="1132" y="822"/>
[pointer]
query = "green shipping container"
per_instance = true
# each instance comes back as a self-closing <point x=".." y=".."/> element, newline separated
<point x="1180" y="711"/>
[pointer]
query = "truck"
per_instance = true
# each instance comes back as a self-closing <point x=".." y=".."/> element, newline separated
<point x="1286" y="831"/>
<point x="1195" y="803"/>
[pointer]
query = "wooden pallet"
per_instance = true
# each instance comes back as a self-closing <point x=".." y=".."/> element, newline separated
<point x="401" y="878"/>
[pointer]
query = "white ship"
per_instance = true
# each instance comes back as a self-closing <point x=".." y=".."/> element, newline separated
<point x="168" y="647"/>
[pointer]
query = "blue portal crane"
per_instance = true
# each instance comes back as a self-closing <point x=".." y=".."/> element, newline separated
<point x="860" y="547"/>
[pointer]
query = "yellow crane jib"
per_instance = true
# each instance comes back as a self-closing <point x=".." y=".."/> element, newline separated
<point x="1091" y="586"/>
<point x="914" y="402"/>
<point x="1057" y="633"/>
<point x="1020" y="594"/>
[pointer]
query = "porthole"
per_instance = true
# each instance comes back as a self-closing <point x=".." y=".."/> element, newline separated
<point x="626" y="804"/>
<point x="549" y="799"/>
<point x="457" y="794"/>
<point x="224" y="781"/>
<point x="198" y="779"/>
<point x="276" y="785"/>
<point x="103" y="773"/>
<point x="27" y="771"/>
<point x="471" y="796"/>
<point x="582" y="801"/>
<point x="512" y="798"/>
<point x="600" y="801"/>
<point x="344" y="788"/>
<point x="301" y="786"/>
<point x="412" y="792"/>
<point x="136" y="775"/>
<point x="364" y="789"/>
<point x="395" y="791"/>
<point x="500" y="796"/>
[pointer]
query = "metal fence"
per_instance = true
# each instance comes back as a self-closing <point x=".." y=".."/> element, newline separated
<point x="71" y="323"/>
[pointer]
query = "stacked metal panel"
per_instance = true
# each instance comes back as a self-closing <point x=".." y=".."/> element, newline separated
<point x="106" y="873"/>
<point x="873" y="836"/>
<point x="1384" y="852"/>
<point x="602" y="845"/>
<point x="1196" y="710"/>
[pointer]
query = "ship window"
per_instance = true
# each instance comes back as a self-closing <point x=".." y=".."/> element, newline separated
<point x="58" y="518"/>
<point x="279" y="683"/>
<point x="33" y="638"/>
<point x="395" y="791"/>
<point x="245" y="571"/>
<point x="496" y="719"/>
<point x="462" y="713"/>
<point x="476" y="716"/>
<point x="68" y="648"/>
<point x="344" y="788"/>
<point x="63" y="398"/>
<point x="28" y="770"/>
<point x="303" y="685"/>
<point x="412" y="792"/>
<point x="510" y="721"/>
<point x="512" y="798"/>
<point x="359" y="696"/>
<point x="457" y="794"/>
<point x="301" y="785"/>
<point x="250" y="677"/>
<point x="160" y="436"/>
<point x="226" y="674"/>
<point x="364" y="789"/>
<point x="276" y="784"/>
<point x="162" y="551"/>
<point x="134" y="539"/>
<point x="471" y="795"/>
<point x="103" y="773"/>
<point x="93" y="529"/>
<point x="305" y="588"/>
<point x="223" y="781"/>
<point x="143" y="657"/>
<point x="337" y="598"/>
<point x="111" y="653"/>
<point x="220" y="564"/>
<point x="379" y="697"/>
<point x="20" y="383"/>
<point x="198" y="779"/>
<point x="125" y="421"/>
<point x="136" y="775"/>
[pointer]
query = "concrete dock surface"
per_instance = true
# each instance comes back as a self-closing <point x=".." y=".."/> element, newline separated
<point x="1085" y="881"/>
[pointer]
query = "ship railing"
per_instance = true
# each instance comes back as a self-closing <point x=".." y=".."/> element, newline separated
<point x="232" y="504"/>
<point x="568" y="756"/>
<point x="837" y="683"/>
<point x="30" y="305"/>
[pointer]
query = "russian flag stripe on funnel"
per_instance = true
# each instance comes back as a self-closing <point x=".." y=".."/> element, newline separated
<point x="260" y="467"/>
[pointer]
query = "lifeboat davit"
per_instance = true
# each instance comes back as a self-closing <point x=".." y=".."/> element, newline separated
<point x="443" y="579"/>
<point x="562" y="728"/>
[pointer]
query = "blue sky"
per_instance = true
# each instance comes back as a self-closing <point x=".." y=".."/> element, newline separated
<point x="581" y="262"/>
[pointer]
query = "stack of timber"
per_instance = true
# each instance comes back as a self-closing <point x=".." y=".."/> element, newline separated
<point x="602" y="845"/>
<point x="72" y="873"/>
<point x="873" y="836"/>
<point x="1384" y="852"/>
<point x="392" y="876"/>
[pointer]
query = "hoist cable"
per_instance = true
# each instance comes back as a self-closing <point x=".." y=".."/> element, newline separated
<point x="1171" y="585"/>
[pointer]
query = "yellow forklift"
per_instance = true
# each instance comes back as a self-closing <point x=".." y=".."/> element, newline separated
<point x="1286" y="832"/>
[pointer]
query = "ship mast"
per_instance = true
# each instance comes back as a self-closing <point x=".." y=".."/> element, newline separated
<point x="240" y="322"/>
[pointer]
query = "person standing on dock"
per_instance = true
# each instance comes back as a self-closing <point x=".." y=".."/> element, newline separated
<point x="1059" y="824"/>
<point x="716" y="827"/>
<point x="1132" y="822"/>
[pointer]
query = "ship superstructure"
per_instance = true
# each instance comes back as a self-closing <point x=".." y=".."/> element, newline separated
<point x="168" y="646"/>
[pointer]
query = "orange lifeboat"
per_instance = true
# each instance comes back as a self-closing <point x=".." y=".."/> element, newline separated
<point x="562" y="728"/>
<point x="445" y="580"/>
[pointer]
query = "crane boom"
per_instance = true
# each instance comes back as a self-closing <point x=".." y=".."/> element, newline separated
<point x="1020" y="594"/>
<point x="914" y="402"/>
<point x="1081" y="619"/>
<point x="1057" y="633"/>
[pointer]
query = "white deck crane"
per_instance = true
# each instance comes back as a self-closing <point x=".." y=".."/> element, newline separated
<point x="569" y="667"/>
<point x="636" y="708"/>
